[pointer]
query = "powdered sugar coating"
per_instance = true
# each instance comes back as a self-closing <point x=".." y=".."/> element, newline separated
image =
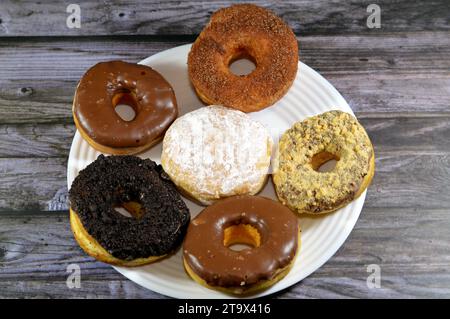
<point x="216" y="152"/>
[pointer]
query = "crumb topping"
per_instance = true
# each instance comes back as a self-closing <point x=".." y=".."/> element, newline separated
<point x="304" y="189"/>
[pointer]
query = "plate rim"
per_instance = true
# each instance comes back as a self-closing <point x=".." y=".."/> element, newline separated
<point x="279" y="286"/>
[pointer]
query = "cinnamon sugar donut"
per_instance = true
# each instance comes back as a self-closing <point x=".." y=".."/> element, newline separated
<point x="216" y="152"/>
<point x="243" y="31"/>
<point x="309" y="144"/>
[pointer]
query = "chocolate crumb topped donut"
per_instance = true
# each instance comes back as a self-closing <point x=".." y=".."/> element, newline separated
<point x="243" y="31"/>
<point x="270" y="228"/>
<point x="159" y="217"/>
<point x="310" y="143"/>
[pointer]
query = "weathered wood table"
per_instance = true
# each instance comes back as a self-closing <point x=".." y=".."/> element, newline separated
<point x="396" y="78"/>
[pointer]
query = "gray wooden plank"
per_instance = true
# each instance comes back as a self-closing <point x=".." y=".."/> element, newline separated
<point x="32" y="183"/>
<point x="412" y="163"/>
<point x="406" y="179"/>
<point x="382" y="95"/>
<point x="401" y="93"/>
<point x="64" y="58"/>
<point x="409" y="135"/>
<point x="377" y="74"/>
<point x="418" y="135"/>
<point x="90" y="289"/>
<point x="36" y="140"/>
<point x="402" y="179"/>
<point x="30" y="18"/>
<point x="411" y="246"/>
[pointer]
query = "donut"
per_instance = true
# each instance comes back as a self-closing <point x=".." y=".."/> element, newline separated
<point x="216" y="152"/>
<point x="158" y="216"/>
<point x="310" y="143"/>
<point x="108" y="84"/>
<point x="271" y="229"/>
<point x="243" y="31"/>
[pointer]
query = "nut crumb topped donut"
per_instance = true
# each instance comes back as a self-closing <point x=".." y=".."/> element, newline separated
<point x="309" y="144"/>
<point x="216" y="152"/>
<point x="243" y="31"/>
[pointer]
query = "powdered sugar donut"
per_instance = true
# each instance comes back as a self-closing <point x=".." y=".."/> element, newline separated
<point x="217" y="152"/>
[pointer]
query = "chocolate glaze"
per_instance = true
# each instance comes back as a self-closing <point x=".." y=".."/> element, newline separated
<point x="218" y="265"/>
<point x="110" y="181"/>
<point x="107" y="84"/>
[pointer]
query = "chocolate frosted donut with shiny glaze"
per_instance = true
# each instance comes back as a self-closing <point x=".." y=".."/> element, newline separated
<point x="108" y="84"/>
<point x="270" y="228"/>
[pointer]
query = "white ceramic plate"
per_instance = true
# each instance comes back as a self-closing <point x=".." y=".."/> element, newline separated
<point x="321" y="236"/>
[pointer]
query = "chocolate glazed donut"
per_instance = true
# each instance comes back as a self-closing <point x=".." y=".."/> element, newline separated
<point x="108" y="84"/>
<point x="271" y="228"/>
<point x="159" y="217"/>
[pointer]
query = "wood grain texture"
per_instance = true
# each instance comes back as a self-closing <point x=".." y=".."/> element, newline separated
<point x="32" y="183"/>
<point x="412" y="163"/>
<point x="376" y="74"/>
<point x="410" y="246"/>
<point x="402" y="179"/>
<point x="31" y="18"/>
<point x="412" y="135"/>
<point x="412" y="155"/>
<point x="408" y="135"/>
<point x="396" y="78"/>
<point x="35" y="141"/>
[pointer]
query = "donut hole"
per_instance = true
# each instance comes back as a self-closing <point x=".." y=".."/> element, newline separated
<point x="324" y="162"/>
<point x="241" y="63"/>
<point x="131" y="209"/>
<point x="240" y="237"/>
<point x="125" y="105"/>
<point x="125" y="112"/>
